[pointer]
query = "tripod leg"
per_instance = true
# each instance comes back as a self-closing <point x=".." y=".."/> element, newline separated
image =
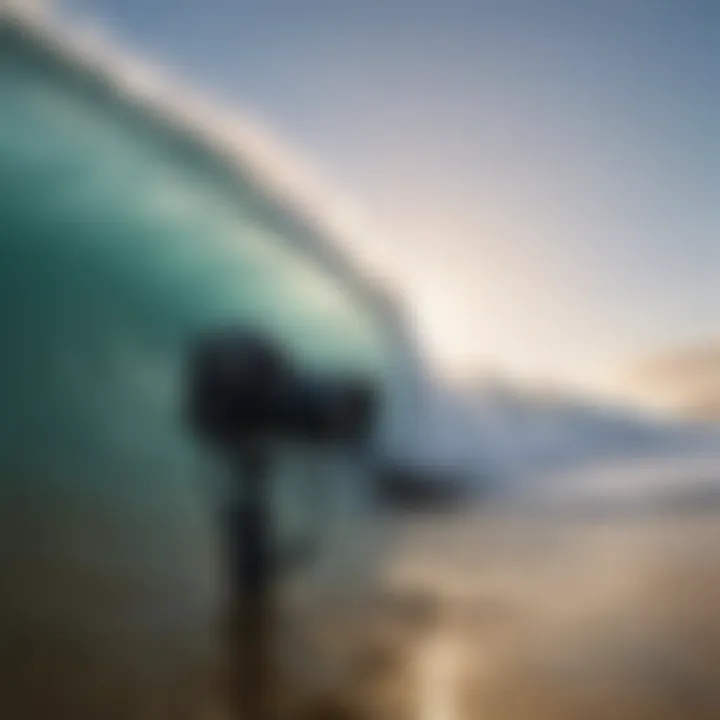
<point x="251" y="678"/>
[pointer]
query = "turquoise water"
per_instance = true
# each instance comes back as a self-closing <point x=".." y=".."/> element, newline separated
<point x="122" y="237"/>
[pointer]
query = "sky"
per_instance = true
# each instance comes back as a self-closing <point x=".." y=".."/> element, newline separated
<point x="547" y="172"/>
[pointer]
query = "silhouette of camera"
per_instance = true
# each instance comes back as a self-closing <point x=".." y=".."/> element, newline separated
<point x="244" y="388"/>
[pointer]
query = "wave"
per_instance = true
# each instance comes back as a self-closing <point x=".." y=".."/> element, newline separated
<point x="333" y="228"/>
<point x="134" y="217"/>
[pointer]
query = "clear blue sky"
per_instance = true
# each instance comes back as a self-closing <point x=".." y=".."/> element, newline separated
<point x="549" y="170"/>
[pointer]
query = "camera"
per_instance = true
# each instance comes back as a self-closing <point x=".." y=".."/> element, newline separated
<point x="244" y="388"/>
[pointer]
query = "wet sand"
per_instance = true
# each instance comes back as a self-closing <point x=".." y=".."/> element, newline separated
<point x="480" y="616"/>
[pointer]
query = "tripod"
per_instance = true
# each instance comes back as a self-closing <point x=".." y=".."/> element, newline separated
<point x="244" y="396"/>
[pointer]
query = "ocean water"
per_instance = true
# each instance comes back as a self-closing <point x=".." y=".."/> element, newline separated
<point x="123" y="236"/>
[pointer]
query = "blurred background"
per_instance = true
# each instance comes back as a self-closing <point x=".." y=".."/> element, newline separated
<point x="503" y="212"/>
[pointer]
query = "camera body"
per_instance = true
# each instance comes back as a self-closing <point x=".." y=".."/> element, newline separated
<point x="243" y="388"/>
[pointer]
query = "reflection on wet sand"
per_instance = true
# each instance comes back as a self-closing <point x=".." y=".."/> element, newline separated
<point x="563" y="619"/>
